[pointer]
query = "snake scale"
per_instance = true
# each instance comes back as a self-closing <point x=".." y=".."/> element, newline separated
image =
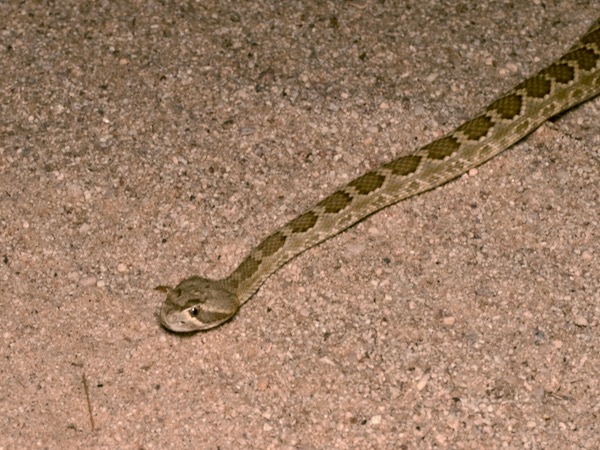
<point x="199" y="304"/>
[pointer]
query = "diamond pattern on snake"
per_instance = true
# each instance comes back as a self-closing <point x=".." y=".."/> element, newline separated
<point x="198" y="303"/>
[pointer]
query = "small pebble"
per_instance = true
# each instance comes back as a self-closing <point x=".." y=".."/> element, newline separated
<point x="449" y="321"/>
<point x="374" y="231"/>
<point x="580" y="321"/>
<point x="262" y="384"/>
<point x="422" y="382"/>
<point x="122" y="268"/>
<point x="356" y="249"/>
<point x="375" y="420"/>
<point x="87" y="281"/>
<point x="326" y="360"/>
<point x="512" y="67"/>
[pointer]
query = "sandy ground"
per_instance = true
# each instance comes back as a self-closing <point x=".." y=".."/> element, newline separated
<point x="143" y="142"/>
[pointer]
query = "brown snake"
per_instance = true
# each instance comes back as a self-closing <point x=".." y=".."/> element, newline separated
<point x="199" y="304"/>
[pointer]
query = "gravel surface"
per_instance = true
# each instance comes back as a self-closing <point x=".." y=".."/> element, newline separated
<point x="144" y="142"/>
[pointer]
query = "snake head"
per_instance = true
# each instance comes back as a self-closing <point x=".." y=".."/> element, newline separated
<point x="197" y="304"/>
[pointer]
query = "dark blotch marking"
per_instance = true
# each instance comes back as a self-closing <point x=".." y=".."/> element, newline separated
<point x="585" y="58"/>
<point x="507" y="107"/>
<point x="248" y="267"/>
<point x="271" y="244"/>
<point x="559" y="72"/>
<point x="367" y="183"/>
<point x="536" y="87"/>
<point x="442" y="148"/>
<point x="211" y="316"/>
<point x="335" y="202"/>
<point x="303" y="223"/>
<point x="404" y="165"/>
<point x="477" y="128"/>
<point x="592" y="38"/>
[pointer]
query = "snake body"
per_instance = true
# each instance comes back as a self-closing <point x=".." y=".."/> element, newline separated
<point x="198" y="303"/>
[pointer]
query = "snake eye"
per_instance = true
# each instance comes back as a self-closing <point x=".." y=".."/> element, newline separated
<point x="193" y="311"/>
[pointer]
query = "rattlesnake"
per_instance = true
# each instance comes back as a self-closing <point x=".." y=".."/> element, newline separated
<point x="199" y="304"/>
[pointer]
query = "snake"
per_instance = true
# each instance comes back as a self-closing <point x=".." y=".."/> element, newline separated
<point x="198" y="303"/>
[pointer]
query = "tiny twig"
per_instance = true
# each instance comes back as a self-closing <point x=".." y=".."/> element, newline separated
<point x="87" y="397"/>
